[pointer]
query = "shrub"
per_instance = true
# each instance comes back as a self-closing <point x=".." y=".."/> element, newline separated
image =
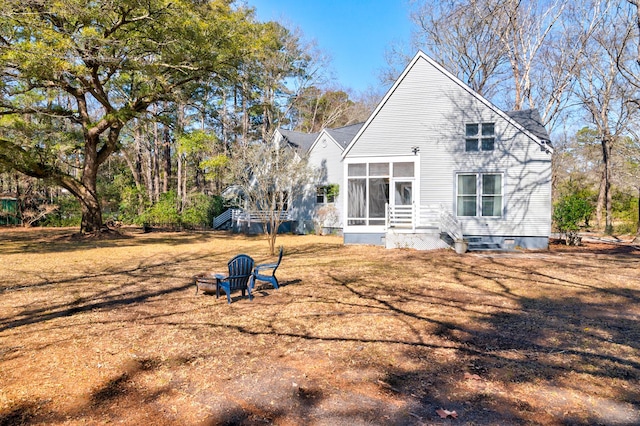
<point x="163" y="212"/>
<point x="130" y="205"/>
<point x="68" y="213"/>
<point x="218" y="205"/>
<point x="198" y="211"/>
<point x="568" y="213"/>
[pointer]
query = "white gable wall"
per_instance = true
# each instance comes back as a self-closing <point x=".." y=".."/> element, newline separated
<point x="428" y="109"/>
<point x="325" y="155"/>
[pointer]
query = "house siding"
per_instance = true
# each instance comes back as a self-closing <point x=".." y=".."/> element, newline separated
<point x="428" y="109"/>
<point x="326" y="156"/>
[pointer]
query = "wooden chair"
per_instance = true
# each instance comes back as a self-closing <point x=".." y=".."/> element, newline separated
<point x="267" y="272"/>
<point x="240" y="272"/>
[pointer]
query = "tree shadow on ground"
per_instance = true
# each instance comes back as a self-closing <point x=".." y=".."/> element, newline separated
<point x="544" y="339"/>
<point x="63" y="241"/>
<point x="110" y="302"/>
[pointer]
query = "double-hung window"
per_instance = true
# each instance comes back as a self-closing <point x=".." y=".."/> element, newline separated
<point x="479" y="194"/>
<point x="480" y="137"/>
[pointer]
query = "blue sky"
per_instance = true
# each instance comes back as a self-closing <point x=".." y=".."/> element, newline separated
<point x="355" y="33"/>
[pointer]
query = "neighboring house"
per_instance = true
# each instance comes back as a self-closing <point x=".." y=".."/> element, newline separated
<point x="300" y="141"/>
<point x="437" y="163"/>
<point x="320" y="209"/>
<point x="243" y="220"/>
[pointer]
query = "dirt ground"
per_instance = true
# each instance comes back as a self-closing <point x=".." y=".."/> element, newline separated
<point x="111" y="331"/>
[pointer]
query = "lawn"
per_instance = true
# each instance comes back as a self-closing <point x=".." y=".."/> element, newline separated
<point x="111" y="330"/>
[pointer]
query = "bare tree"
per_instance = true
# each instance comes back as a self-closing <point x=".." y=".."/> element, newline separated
<point x="631" y="40"/>
<point x="518" y="53"/>
<point x="270" y="176"/>
<point x="561" y="57"/>
<point x="464" y="39"/>
<point x="523" y="28"/>
<point x="605" y="95"/>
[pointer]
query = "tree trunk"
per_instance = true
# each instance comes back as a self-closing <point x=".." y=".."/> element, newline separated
<point x="167" y="160"/>
<point x="606" y="157"/>
<point x="157" y="144"/>
<point x="87" y="192"/>
<point x="91" y="215"/>
<point x="600" y="206"/>
<point x="183" y="200"/>
<point x="636" y="239"/>
<point x="271" y="226"/>
<point x="179" y="174"/>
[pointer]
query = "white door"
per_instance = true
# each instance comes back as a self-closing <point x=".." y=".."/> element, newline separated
<point x="403" y="193"/>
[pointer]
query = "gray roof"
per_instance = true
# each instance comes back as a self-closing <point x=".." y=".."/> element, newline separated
<point x="302" y="141"/>
<point x="344" y="135"/>
<point x="530" y="120"/>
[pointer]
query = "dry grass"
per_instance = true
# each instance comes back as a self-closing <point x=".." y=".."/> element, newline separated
<point x="111" y="331"/>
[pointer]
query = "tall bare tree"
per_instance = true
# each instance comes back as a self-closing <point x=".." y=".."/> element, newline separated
<point x="605" y="95"/>
<point x="464" y="38"/>
<point x="518" y="53"/>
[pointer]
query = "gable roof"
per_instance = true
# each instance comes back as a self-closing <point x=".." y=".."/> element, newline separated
<point x="530" y="120"/>
<point x="299" y="140"/>
<point x="344" y="135"/>
<point x="420" y="55"/>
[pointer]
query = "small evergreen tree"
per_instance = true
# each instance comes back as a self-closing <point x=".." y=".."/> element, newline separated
<point x="568" y="213"/>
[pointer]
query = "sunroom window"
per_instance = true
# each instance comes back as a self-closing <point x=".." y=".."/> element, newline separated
<point x="369" y="186"/>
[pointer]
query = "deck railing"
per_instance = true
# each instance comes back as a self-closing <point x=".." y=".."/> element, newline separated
<point x="424" y="216"/>
<point x="238" y="215"/>
<point x="257" y="215"/>
<point x="223" y="218"/>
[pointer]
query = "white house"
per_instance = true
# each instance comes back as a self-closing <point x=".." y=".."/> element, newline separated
<point x="437" y="163"/>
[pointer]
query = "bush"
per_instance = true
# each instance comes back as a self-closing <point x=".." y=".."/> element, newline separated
<point x="163" y="212"/>
<point x="199" y="211"/>
<point x="69" y="212"/>
<point x="133" y="201"/>
<point x="218" y="205"/>
<point x="625" y="213"/>
<point x="568" y="213"/>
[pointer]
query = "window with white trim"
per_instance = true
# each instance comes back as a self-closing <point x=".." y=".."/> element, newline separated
<point x="479" y="137"/>
<point x="326" y="194"/>
<point x="321" y="195"/>
<point x="479" y="194"/>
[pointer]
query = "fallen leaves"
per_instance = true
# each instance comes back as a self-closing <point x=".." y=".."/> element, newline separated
<point x="469" y="376"/>
<point x="446" y="413"/>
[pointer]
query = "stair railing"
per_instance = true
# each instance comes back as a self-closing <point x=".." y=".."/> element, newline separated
<point x="449" y="224"/>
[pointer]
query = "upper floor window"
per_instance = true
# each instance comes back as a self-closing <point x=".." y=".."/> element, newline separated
<point x="479" y="136"/>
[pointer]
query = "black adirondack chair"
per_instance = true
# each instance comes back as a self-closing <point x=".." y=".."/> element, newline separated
<point x="240" y="272"/>
<point x="267" y="272"/>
